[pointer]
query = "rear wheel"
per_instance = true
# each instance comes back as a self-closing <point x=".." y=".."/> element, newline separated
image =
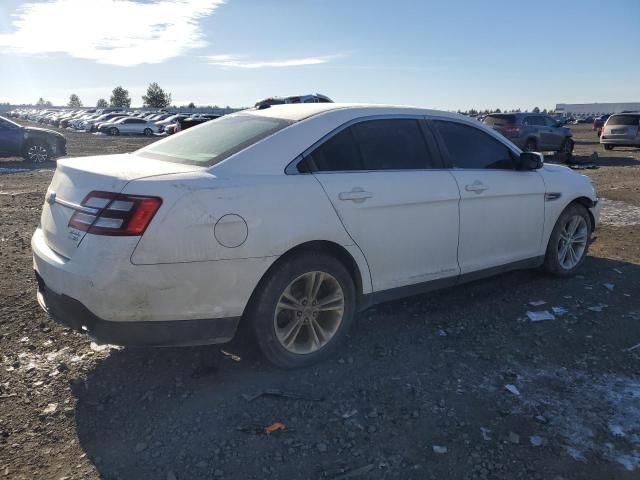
<point x="531" y="145"/>
<point x="148" y="132"/>
<point x="37" y="152"/>
<point x="608" y="147"/>
<point x="303" y="310"/>
<point x="569" y="242"/>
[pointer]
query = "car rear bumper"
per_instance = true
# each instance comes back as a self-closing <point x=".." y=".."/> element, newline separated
<point x="73" y="314"/>
<point x="626" y="141"/>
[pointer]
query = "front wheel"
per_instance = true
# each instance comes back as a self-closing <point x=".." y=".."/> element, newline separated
<point x="37" y="152"/>
<point x="530" y="145"/>
<point x="569" y="242"/>
<point x="148" y="132"/>
<point x="114" y="131"/>
<point x="302" y="311"/>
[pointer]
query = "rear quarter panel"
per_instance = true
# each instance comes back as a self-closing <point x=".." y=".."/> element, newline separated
<point x="280" y="212"/>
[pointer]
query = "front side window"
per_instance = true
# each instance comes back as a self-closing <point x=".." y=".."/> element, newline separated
<point x="472" y="148"/>
<point x="215" y="140"/>
<point x="534" y="121"/>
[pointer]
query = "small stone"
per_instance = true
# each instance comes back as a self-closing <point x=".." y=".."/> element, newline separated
<point x="536" y="441"/>
<point x="141" y="446"/>
<point x="514" y="438"/>
<point x="322" y="447"/>
<point x="439" y="449"/>
<point x="49" y="409"/>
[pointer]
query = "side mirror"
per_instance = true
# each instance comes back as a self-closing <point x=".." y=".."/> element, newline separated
<point x="530" y="161"/>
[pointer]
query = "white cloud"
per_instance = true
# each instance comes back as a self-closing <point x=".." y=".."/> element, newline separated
<point x="115" y="32"/>
<point x="239" y="61"/>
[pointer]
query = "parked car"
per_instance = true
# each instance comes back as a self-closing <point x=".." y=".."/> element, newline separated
<point x="312" y="98"/>
<point x="33" y="144"/>
<point x="185" y="123"/>
<point x="598" y="122"/>
<point x="621" y="130"/>
<point x="291" y="219"/>
<point x="532" y="131"/>
<point x="129" y="126"/>
<point x="90" y="125"/>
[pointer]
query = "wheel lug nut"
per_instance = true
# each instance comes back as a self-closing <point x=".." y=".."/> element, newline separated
<point x="299" y="314"/>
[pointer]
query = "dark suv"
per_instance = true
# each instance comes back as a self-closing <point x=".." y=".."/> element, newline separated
<point x="532" y="131"/>
<point x="33" y="144"/>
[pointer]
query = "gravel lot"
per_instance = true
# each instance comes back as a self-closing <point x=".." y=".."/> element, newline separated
<point x="458" y="384"/>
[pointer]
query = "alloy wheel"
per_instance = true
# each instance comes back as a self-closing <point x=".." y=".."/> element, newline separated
<point x="37" y="154"/>
<point x="309" y="312"/>
<point x="573" y="242"/>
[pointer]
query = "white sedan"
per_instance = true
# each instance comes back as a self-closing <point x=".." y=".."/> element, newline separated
<point x="293" y="218"/>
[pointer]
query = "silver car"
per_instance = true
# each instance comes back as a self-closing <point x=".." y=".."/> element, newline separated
<point x="130" y="126"/>
<point x="621" y="130"/>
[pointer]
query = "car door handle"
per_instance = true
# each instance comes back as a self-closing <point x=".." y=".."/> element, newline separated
<point x="356" y="195"/>
<point x="476" y="186"/>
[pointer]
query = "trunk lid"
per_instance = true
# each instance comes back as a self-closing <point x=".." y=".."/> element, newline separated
<point x="75" y="178"/>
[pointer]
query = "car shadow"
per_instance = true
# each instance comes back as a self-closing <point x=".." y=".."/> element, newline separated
<point x="608" y="161"/>
<point x="15" y="165"/>
<point x="141" y="413"/>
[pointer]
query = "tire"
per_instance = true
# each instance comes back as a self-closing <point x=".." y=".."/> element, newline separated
<point x="148" y="132"/>
<point x="37" y="152"/>
<point x="113" y="131"/>
<point x="608" y="147"/>
<point x="566" y="150"/>
<point x="530" y="145"/>
<point x="564" y="265"/>
<point x="268" y="322"/>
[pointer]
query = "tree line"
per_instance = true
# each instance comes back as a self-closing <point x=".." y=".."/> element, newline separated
<point x="474" y="112"/>
<point x="156" y="97"/>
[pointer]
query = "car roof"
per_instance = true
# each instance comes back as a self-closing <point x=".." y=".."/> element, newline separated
<point x="301" y="111"/>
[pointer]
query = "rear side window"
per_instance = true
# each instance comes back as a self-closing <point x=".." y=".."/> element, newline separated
<point x="471" y="148"/>
<point x="339" y="153"/>
<point x="628" y="120"/>
<point x="389" y="144"/>
<point x="499" y="120"/>
<point x="396" y="144"/>
<point x="534" y="121"/>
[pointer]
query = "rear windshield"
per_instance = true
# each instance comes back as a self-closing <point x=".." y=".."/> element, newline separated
<point x="497" y="120"/>
<point x="624" y="120"/>
<point x="215" y="140"/>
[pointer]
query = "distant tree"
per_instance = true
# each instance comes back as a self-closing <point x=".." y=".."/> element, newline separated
<point x="120" y="98"/>
<point x="544" y="111"/>
<point x="191" y="105"/>
<point x="498" y="111"/>
<point x="536" y="110"/>
<point x="43" y="103"/>
<point x="102" y="103"/>
<point x="472" y="111"/>
<point x="74" y="101"/>
<point x="156" y="97"/>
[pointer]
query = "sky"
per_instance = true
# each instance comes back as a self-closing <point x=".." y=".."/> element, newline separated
<point x="449" y="55"/>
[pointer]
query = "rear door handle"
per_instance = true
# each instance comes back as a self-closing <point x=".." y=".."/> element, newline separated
<point x="357" y="195"/>
<point x="476" y="186"/>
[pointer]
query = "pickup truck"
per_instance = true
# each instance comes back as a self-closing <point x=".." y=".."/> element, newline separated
<point x="35" y="145"/>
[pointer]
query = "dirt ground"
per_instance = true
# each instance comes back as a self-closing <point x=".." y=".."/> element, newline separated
<point x="458" y="384"/>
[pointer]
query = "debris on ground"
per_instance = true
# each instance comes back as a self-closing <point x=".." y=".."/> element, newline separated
<point x="598" y="308"/>
<point x="540" y="316"/>
<point x="486" y="433"/>
<point x="274" y="427"/>
<point x="439" y="449"/>
<point x="514" y="438"/>
<point x="536" y="440"/>
<point x="537" y="303"/>
<point x="609" y="286"/>
<point x="513" y="389"/>
<point x="273" y="392"/>
<point x="559" y="311"/>
<point x="356" y="472"/>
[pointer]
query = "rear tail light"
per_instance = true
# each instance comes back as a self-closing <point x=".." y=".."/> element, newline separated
<point x="108" y="213"/>
<point x="511" y="130"/>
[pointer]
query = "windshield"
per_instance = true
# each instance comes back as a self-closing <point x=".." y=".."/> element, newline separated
<point x="215" y="140"/>
<point x="498" y="120"/>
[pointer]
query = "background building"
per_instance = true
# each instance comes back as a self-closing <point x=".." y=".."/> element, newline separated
<point x="584" y="109"/>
